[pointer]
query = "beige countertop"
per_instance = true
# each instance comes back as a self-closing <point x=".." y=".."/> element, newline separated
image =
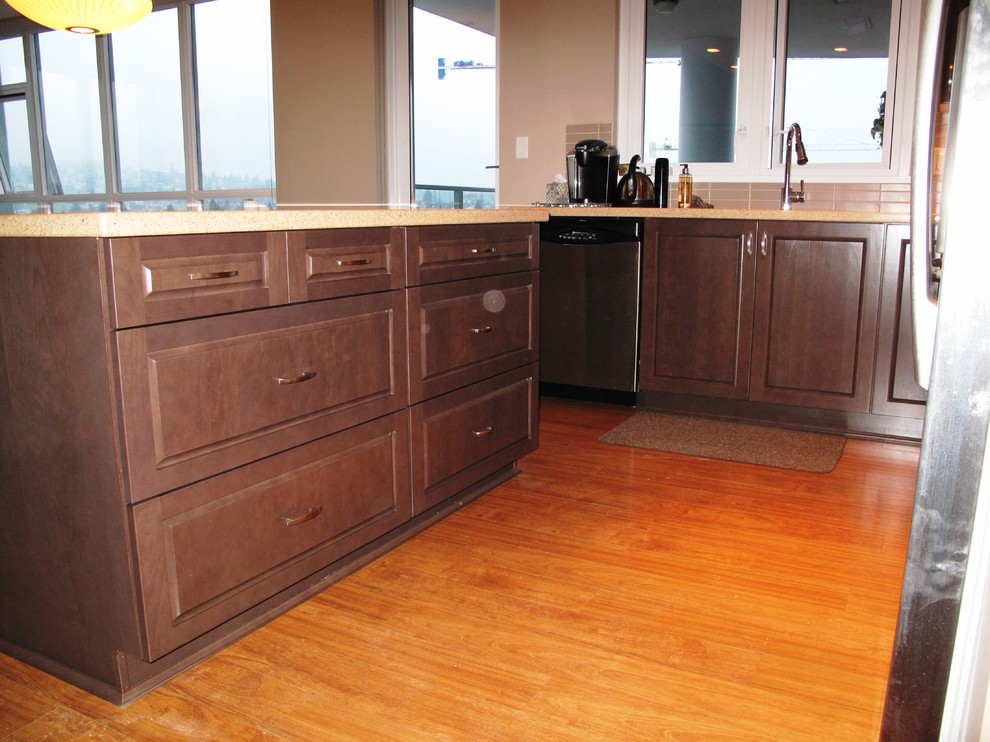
<point x="794" y="215"/>
<point x="125" y="224"/>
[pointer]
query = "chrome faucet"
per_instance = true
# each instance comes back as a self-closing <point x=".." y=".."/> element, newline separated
<point x="787" y="195"/>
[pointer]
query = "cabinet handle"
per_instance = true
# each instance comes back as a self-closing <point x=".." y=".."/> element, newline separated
<point x="298" y="378"/>
<point x="212" y="275"/>
<point x="308" y="514"/>
<point x="481" y="433"/>
<point x="749" y="243"/>
<point x="482" y="330"/>
<point x="355" y="261"/>
<point x="763" y="245"/>
<point x="480" y="250"/>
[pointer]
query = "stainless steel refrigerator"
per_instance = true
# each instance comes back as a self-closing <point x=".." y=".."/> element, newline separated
<point x="937" y="687"/>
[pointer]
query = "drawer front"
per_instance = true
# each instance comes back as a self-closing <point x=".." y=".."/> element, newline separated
<point x="162" y="279"/>
<point x="203" y="396"/>
<point x="462" y="437"/>
<point x="465" y="331"/>
<point x="216" y="548"/>
<point x="328" y="263"/>
<point x="448" y="253"/>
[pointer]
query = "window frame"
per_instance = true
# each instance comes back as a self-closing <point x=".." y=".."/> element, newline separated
<point x="193" y="197"/>
<point x="759" y="134"/>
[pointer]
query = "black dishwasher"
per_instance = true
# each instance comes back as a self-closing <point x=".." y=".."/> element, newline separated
<point x="589" y="308"/>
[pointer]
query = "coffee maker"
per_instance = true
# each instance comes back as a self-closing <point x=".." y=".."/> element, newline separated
<point x="592" y="172"/>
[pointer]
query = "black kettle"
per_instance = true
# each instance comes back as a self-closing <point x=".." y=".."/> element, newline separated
<point x="635" y="188"/>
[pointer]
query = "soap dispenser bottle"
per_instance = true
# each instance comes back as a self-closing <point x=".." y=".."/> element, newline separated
<point x="685" y="188"/>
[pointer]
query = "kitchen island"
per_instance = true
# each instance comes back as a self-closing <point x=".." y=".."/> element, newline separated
<point x="208" y="417"/>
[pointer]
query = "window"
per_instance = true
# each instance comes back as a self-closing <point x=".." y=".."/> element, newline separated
<point x="70" y="99"/>
<point x="836" y="76"/>
<point x="234" y="94"/>
<point x="454" y="111"/>
<point x="723" y="78"/>
<point x="692" y="63"/>
<point x="15" y="144"/>
<point x="172" y="113"/>
<point x="148" y="105"/>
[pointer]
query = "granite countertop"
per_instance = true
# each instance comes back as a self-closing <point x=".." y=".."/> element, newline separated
<point x="124" y="224"/>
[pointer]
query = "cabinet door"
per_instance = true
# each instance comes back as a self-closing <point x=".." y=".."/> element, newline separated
<point x="464" y="331"/>
<point x="462" y="437"/>
<point x="697" y="307"/>
<point x="815" y="324"/>
<point x="172" y="277"/>
<point x="895" y="391"/>
<point x="209" y="551"/>
<point x="327" y="263"/>
<point x="205" y="395"/>
<point x="452" y="252"/>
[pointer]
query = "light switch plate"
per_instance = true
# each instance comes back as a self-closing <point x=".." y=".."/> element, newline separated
<point x="522" y="148"/>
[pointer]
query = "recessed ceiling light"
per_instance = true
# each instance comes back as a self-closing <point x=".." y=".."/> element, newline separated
<point x="841" y="49"/>
<point x="712" y="50"/>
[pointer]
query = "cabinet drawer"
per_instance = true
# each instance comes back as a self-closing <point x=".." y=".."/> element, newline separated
<point x="161" y="279"/>
<point x="206" y="395"/>
<point x="338" y="262"/>
<point x="447" y="253"/>
<point x="212" y="550"/>
<point x="465" y="331"/>
<point x="462" y="437"/>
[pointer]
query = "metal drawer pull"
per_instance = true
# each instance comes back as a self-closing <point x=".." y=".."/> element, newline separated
<point x="482" y="330"/>
<point x="763" y="245"/>
<point x="355" y="261"/>
<point x="749" y="243"/>
<point x="479" y="250"/>
<point x="483" y="432"/>
<point x="309" y="514"/>
<point x="212" y="275"/>
<point x="298" y="378"/>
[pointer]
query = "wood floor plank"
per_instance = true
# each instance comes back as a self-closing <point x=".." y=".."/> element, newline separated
<point x="604" y="593"/>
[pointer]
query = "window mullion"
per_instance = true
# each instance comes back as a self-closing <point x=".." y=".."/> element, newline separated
<point x="777" y="123"/>
<point x="190" y="109"/>
<point x="35" y="114"/>
<point x="111" y="165"/>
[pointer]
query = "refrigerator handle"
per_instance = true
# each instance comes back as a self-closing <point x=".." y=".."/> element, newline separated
<point x="924" y="308"/>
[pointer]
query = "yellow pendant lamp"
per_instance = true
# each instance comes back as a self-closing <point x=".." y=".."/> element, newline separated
<point x="83" y="16"/>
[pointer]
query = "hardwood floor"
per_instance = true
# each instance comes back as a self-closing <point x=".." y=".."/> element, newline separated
<point x="606" y="593"/>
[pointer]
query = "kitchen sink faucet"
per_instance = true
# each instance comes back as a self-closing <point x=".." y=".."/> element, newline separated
<point x="787" y="195"/>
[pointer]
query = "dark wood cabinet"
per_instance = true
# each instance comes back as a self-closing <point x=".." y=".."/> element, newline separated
<point x="327" y="263"/>
<point x="451" y="253"/>
<point x="896" y="391"/>
<point x="465" y="435"/>
<point x="464" y="331"/>
<point x="815" y="321"/>
<point x="200" y="431"/>
<point x="299" y="511"/>
<point x="204" y="395"/>
<point x="783" y="321"/>
<point x="164" y="278"/>
<point x="779" y="312"/>
<point x="697" y="318"/>
<point x="473" y="352"/>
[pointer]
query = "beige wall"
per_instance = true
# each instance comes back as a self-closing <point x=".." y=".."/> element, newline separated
<point x="328" y="117"/>
<point x="557" y="66"/>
